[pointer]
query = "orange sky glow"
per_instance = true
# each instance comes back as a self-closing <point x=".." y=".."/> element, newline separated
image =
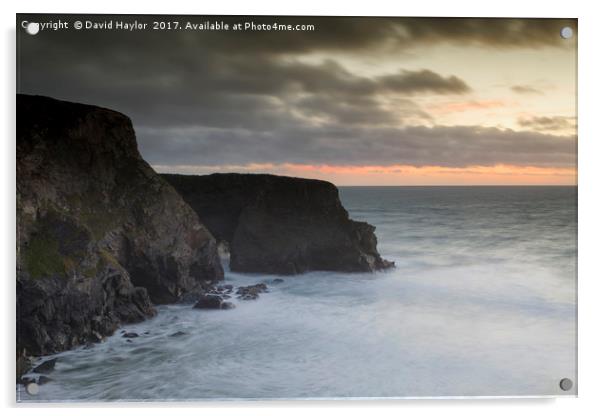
<point x="400" y="175"/>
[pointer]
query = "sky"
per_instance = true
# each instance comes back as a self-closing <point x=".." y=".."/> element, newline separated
<point x="355" y="101"/>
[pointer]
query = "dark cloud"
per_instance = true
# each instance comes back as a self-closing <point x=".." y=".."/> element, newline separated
<point x="338" y="34"/>
<point x="525" y="33"/>
<point x="548" y="124"/>
<point x="412" y="82"/>
<point x="525" y="89"/>
<point x="337" y="144"/>
<point x="234" y="98"/>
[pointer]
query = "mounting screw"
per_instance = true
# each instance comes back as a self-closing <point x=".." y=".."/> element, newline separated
<point x="566" y="32"/>
<point x="566" y="384"/>
<point x="32" y="389"/>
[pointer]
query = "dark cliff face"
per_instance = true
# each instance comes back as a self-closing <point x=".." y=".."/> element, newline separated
<point x="280" y="225"/>
<point x="99" y="233"/>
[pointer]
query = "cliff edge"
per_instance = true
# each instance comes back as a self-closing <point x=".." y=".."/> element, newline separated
<point x="280" y="225"/>
<point x="100" y="236"/>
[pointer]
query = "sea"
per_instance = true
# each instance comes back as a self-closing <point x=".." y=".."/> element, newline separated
<point x="482" y="302"/>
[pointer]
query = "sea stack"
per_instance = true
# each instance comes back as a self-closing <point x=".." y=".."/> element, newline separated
<point x="280" y="225"/>
<point x="100" y="236"/>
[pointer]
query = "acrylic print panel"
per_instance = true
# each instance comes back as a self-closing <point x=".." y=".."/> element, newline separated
<point x="239" y="207"/>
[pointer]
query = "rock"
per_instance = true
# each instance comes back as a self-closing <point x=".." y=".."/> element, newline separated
<point x="178" y="334"/>
<point x="190" y="298"/>
<point x="208" y="302"/>
<point x="25" y="380"/>
<point x="281" y="225"/>
<point x="251" y="292"/>
<point x="46" y="367"/>
<point x="130" y="335"/>
<point x="213" y="302"/>
<point x="228" y="287"/>
<point x="128" y="340"/>
<point x="99" y="234"/>
<point x="276" y="281"/>
<point x="24" y="365"/>
<point x="43" y="380"/>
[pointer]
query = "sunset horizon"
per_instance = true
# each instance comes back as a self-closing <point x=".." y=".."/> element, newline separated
<point x="499" y="175"/>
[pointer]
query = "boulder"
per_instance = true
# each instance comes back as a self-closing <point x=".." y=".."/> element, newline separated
<point x="251" y="292"/>
<point x="208" y="302"/>
<point x="227" y="305"/>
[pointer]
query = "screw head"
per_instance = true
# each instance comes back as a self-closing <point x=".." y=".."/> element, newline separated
<point x="566" y="32"/>
<point x="32" y="388"/>
<point x="32" y="28"/>
<point x="566" y="384"/>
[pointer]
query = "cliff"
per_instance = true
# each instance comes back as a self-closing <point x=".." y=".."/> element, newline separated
<point x="99" y="234"/>
<point x="280" y="225"/>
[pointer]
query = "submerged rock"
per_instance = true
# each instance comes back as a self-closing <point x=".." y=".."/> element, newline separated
<point x="178" y="334"/>
<point x="227" y="305"/>
<point x="251" y="292"/>
<point x="46" y="367"/>
<point x="213" y="302"/>
<point x="208" y="302"/>
<point x="25" y="380"/>
<point x="130" y="335"/>
<point x="99" y="234"/>
<point x="281" y="225"/>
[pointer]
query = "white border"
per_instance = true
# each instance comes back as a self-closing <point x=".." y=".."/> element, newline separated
<point x="590" y="207"/>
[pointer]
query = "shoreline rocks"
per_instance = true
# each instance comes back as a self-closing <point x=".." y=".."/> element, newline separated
<point x="215" y="298"/>
<point x="251" y="292"/>
<point x="212" y="302"/>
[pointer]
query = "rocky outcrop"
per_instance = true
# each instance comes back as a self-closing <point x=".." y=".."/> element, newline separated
<point x="251" y="292"/>
<point x="212" y="302"/>
<point x="280" y="225"/>
<point x="99" y="234"/>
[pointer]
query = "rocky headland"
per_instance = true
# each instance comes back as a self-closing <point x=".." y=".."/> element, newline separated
<point x="280" y="225"/>
<point x="100" y="236"/>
